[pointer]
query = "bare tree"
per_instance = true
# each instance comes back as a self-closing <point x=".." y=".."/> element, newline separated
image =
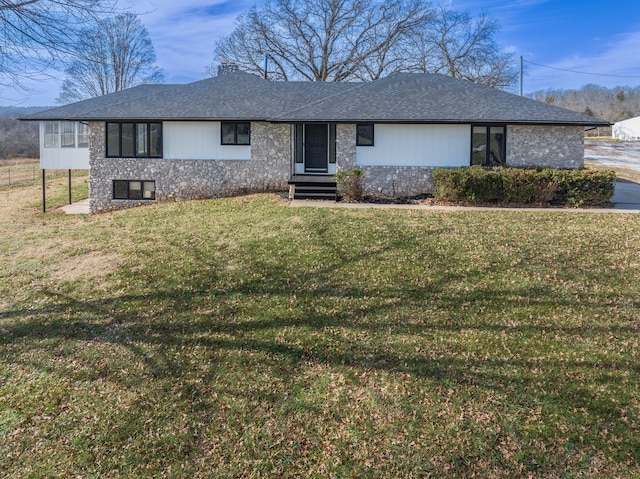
<point x="460" y="46"/>
<point x="613" y="104"/>
<point x="114" y="55"/>
<point x="36" y="33"/>
<point x="18" y="138"/>
<point x="323" y="40"/>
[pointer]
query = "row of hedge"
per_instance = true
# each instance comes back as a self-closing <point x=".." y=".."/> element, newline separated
<point x="577" y="187"/>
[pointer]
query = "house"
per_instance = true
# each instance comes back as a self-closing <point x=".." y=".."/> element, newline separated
<point x="239" y="133"/>
<point x="627" y="130"/>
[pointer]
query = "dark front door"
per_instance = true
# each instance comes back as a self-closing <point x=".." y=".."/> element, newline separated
<point x="316" y="148"/>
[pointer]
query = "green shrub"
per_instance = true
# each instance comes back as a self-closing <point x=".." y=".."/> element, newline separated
<point x="350" y="185"/>
<point x="473" y="183"/>
<point x="448" y="184"/>
<point x="483" y="185"/>
<point x="519" y="186"/>
<point x="507" y="185"/>
<point x="581" y="187"/>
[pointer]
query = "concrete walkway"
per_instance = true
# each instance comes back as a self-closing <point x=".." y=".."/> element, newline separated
<point x="332" y="204"/>
<point x="78" y="208"/>
<point x="626" y="200"/>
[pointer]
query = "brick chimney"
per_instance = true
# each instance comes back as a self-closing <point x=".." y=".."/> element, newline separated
<point x="227" y="67"/>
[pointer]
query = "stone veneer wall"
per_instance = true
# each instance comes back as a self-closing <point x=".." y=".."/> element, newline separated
<point x="552" y="146"/>
<point x="270" y="166"/>
<point x="547" y="146"/>
<point x="397" y="181"/>
<point x="390" y="181"/>
<point x="268" y="170"/>
<point x="345" y="146"/>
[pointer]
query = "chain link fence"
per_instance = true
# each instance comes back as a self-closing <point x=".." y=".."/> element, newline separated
<point x="14" y="172"/>
<point x="20" y="171"/>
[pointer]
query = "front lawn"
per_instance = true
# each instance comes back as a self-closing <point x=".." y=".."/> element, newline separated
<point x="242" y="338"/>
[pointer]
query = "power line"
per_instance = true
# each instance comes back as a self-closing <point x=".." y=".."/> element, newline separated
<point x="582" y="73"/>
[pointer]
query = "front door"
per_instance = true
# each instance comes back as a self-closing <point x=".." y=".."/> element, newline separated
<point x="316" y="148"/>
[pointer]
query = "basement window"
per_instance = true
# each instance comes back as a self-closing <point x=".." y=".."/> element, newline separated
<point x="134" y="190"/>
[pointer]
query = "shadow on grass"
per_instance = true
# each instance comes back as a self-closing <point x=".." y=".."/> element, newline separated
<point x="293" y="317"/>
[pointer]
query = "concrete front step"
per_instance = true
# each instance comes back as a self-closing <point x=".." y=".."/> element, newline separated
<point x="312" y="188"/>
<point x="305" y="193"/>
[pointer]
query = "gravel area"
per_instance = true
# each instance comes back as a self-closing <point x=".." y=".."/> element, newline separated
<point x="614" y="154"/>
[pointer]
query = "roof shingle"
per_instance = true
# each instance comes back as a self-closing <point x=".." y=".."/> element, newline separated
<point x="399" y="98"/>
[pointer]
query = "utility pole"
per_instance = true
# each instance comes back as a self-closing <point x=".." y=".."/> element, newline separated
<point x="521" y="62"/>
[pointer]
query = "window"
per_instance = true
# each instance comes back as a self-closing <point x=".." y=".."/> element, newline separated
<point x="299" y="143"/>
<point x="68" y="134"/>
<point x="134" y="140"/>
<point x="51" y="134"/>
<point x="235" y="133"/>
<point x="134" y="190"/>
<point x="155" y="140"/>
<point x="488" y="145"/>
<point x="332" y="143"/>
<point x="113" y="139"/>
<point x="364" y="134"/>
<point x="142" y="145"/>
<point x="126" y="140"/>
<point x="83" y="135"/>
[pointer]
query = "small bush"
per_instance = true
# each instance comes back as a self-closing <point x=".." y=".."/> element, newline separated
<point x="350" y="185"/>
<point x="483" y="184"/>
<point x="525" y="186"/>
<point x="581" y="187"/>
<point x="448" y="184"/>
<point x="520" y="186"/>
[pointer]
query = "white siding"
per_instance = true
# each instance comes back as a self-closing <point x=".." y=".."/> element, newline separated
<point x="627" y="130"/>
<point x="62" y="158"/>
<point x="199" y="140"/>
<point x="417" y="145"/>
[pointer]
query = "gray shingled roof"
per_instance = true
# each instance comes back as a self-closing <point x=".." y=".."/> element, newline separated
<point x="404" y="97"/>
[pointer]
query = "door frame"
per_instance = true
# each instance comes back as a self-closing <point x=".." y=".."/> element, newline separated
<point x="316" y="153"/>
<point x="300" y="164"/>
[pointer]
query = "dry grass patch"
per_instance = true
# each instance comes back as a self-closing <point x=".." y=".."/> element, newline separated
<point x="624" y="173"/>
<point x="87" y="267"/>
<point x="18" y="161"/>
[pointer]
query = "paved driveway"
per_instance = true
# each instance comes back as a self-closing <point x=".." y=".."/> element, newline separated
<point x="626" y="196"/>
<point x="625" y="155"/>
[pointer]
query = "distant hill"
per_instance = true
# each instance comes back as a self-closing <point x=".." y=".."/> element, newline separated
<point x="18" y="111"/>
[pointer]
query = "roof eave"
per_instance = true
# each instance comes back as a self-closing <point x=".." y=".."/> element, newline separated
<point x="443" y="121"/>
<point x="142" y="119"/>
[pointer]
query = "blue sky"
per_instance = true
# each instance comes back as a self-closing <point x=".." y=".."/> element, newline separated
<point x="580" y="35"/>
<point x="587" y="36"/>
